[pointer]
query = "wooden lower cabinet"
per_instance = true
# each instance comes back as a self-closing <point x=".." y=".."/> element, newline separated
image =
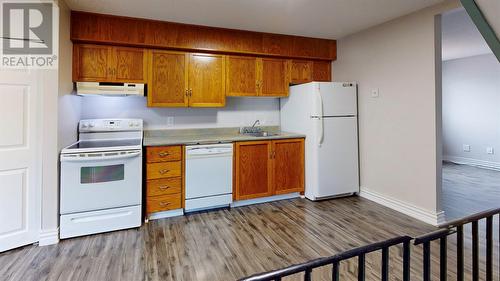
<point x="253" y="170"/>
<point x="164" y="179"/>
<point x="288" y="166"/>
<point x="266" y="168"/>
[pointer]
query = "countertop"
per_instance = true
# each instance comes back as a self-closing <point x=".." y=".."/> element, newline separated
<point x="210" y="135"/>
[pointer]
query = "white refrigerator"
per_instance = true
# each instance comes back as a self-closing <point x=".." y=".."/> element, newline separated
<point x="326" y="112"/>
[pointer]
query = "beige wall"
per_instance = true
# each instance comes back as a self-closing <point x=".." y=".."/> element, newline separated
<point x="398" y="133"/>
<point x="69" y="104"/>
<point x="53" y="83"/>
<point x="491" y="11"/>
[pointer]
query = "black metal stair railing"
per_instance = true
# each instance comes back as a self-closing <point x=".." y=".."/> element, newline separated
<point x="453" y="227"/>
<point x="457" y="226"/>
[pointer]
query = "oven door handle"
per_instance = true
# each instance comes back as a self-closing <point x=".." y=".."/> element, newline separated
<point x="84" y="157"/>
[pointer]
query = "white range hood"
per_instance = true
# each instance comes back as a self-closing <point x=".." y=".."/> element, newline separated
<point x="109" y="89"/>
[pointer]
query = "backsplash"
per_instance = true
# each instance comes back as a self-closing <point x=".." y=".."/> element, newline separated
<point x="237" y="112"/>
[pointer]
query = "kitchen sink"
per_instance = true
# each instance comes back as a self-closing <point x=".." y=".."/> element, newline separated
<point x="261" y="134"/>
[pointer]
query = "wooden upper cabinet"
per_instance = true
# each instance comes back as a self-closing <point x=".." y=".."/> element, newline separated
<point x="253" y="170"/>
<point x="288" y="166"/>
<point x="168" y="79"/>
<point x="92" y="63"/>
<point x="207" y="80"/>
<point x="131" y="65"/>
<point x="307" y="71"/>
<point x="322" y="71"/>
<point x="302" y="71"/>
<point x="119" y="30"/>
<point x="242" y="77"/>
<point x="274" y="77"/>
<point x="101" y="63"/>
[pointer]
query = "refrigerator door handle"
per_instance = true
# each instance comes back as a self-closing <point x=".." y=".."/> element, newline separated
<point x="320" y="117"/>
<point x="321" y="131"/>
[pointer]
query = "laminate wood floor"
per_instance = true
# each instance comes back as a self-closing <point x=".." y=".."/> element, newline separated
<point x="228" y="244"/>
<point x="468" y="190"/>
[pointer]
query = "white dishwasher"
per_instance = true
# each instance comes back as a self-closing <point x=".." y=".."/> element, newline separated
<point x="209" y="176"/>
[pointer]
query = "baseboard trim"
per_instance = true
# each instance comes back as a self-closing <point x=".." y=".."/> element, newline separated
<point x="403" y="207"/>
<point x="166" y="214"/>
<point x="472" y="162"/>
<point x="48" y="237"/>
<point x="247" y="202"/>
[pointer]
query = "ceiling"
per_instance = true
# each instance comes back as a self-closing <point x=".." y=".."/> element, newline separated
<point x="331" y="19"/>
<point x="460" y="37"/>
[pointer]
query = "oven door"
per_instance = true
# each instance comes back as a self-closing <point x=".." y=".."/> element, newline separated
<point x="101" y="180"/>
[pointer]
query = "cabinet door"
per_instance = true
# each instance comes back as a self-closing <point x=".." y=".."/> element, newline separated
<point x="288" y="166"/>
<point x="253" y="170"/>
<point x="322" y="71"/>
<point x="207" y="80"/>
<point x="168" y="80"/>
<point x="130" y="65"/>
<point x="302" y="71"/>
<point x="92" y="63"/>
<point x="274" y="77"/>
<point x="241" y="76"/>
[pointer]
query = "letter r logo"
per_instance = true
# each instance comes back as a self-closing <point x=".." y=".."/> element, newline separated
<point x="27" y="28"/>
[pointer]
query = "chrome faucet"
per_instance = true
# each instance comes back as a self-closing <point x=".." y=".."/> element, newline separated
<point x="253" y="129"/>
<point x="255" y="123"/>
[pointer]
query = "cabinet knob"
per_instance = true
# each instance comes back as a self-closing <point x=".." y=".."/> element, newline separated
<point x="163" y="204"/>
<point x="163" y="154"/>
<point x="164" y="187"/>
<point x="164" y="171"/>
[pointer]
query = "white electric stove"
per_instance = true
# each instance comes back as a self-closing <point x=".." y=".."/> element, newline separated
<point x="101" y="178"/>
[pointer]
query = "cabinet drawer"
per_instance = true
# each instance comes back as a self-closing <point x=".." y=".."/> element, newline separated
<point x="163" y="170"/>
<point x="163" y="203"/>
<point x="163" y="154"/>
<point x="163" y="186"/>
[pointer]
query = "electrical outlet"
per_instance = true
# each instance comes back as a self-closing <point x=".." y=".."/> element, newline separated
<point x="466" y="148"/>
<point x="170" y="121"/>
<point x="375" y="93"/>
<point x="490" y="150"/>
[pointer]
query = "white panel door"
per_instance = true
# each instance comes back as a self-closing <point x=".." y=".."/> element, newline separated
<point x="20" y="157"/>
<point x="338" y="157"/>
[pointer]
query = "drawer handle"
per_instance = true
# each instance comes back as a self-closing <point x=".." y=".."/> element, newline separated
<point x="165" y="187"/>
<point x="163" y="154"/>
<point x="164" y="204"/>
<point x="164" y="171"/>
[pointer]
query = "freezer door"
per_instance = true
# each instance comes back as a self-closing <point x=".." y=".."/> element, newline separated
<point x="338" y="157"/>
<point x="339" y="99"/>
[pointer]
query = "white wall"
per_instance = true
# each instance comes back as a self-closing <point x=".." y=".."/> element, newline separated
<point x="471" y="115"/>
<point x="238" y="112"/>
<point x="59" y="112"/>
<point x="69" y="104"/>
<point x="50" y="188"/>
<point x="398" y="132"/>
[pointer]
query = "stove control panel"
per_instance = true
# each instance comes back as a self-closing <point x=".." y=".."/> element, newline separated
<point x="107" y="125"/>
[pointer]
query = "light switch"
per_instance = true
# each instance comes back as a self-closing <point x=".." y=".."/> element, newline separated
<point x="466" y="148"/>
<point x="490" y="150"/>
<point x="375" y="93"/>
